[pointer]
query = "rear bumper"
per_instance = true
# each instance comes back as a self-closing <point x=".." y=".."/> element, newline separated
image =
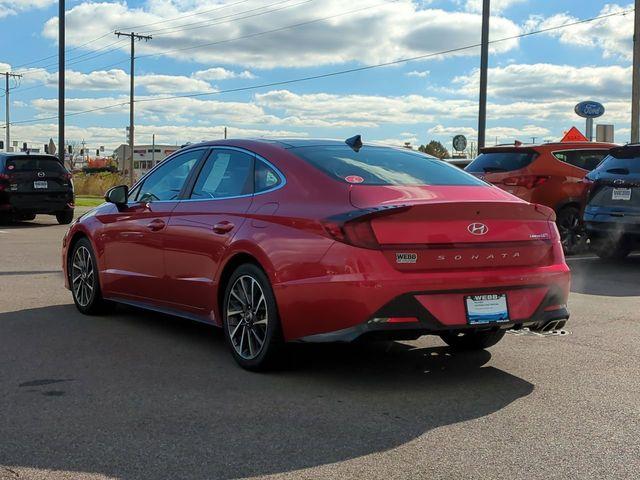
<point x="34" y="203"/>
<point x="604" y="223"/>
<point x="341" y="307"/>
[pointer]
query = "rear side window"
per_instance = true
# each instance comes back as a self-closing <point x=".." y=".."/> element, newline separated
<point x="621" y="163"/>
<point x="382" y="166"/>
<point x="34" y="164"/>
<point x="585" y="159"/>
<point x="266" y="177"/>
<point x="226" y="173"/>
<point x="500" y="161"/>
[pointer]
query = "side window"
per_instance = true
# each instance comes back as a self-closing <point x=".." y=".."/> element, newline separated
<point x="227" y="173"/>
<point x="585" y="159"/>
<point x="167" y="181"/>
<point x="266" y="177"/>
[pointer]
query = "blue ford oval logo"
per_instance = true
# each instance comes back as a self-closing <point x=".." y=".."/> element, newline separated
<point x="589" y="109"/>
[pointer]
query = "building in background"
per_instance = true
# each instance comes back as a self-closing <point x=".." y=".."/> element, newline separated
<point x="144" y="156"/>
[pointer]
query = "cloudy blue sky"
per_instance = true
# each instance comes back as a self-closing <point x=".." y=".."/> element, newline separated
<point x="209" y="46"/>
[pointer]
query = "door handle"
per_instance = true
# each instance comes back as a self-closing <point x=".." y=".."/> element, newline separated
<point x="156" y="225"/>
<point x="223" y="227"/>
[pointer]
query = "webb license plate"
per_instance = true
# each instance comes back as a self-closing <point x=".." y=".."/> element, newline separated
<point x="621" y="194"/>
<point x="40" y="184"/>
<point x="486" y="308"/>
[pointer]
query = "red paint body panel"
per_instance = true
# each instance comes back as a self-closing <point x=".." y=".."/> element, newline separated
<point x="323" y="285"/>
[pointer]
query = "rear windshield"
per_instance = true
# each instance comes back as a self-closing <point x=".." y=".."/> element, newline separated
<point x="500" y="162"/>
<point x="34" y="164"/>
<point x="621" y="163"/>
<point x="383" y="166"/>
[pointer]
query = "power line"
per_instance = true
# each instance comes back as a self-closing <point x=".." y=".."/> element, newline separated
<point x="136" y="27"/>
<point x="341" y="72"/>
<point x="209" y="22"/>
<point x="265" y="32"/>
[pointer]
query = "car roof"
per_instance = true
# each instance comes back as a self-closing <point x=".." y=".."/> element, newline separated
<point x="285" y="143"/>
<point x="25" y="154"/>
<point x="550" y="146"/>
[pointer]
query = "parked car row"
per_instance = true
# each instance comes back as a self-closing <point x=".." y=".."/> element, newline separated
<point x="550" y="174"/>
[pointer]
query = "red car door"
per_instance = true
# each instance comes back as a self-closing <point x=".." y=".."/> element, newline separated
<point x="133" y="235"/>
<point x="201" y="228"/>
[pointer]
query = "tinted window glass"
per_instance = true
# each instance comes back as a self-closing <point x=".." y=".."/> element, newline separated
<point x="167" y="181"/>
<point x="266" y="177"/>
<point x="227" y="173"/>
<point x="585" y="159"/>
<point x="383" y="166"/>
<point x="500" y="161"/>
<point x="621" y="164"/>
<point x="34" y="164"/>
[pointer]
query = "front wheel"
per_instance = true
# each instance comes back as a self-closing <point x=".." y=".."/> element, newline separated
<point x="65" y="217"/>
<point x="472" y="340"/>
<point x="250" y="319"/>
<point x="84" y="281"/>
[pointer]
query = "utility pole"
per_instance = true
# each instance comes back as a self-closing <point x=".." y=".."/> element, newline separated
<point x="635" y="89"/>
<point x="61" y="67"/>
<point x="7" y="138"/>
<point x="484" y="65"/>
<point x="153" y="150"/>
<point x="134" y="37"/>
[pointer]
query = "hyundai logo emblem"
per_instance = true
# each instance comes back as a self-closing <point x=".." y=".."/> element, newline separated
<point x="478" y="229"/>
<point x="41" y="174"/>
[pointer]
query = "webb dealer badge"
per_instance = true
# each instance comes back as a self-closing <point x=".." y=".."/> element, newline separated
<point x="406" y="257"/>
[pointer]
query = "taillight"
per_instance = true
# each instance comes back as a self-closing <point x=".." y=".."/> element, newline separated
<point x="527" y="181"/>
<point x="356" y="232"/>
<point x="67" y="176"/>
<point x="4" y="181"/>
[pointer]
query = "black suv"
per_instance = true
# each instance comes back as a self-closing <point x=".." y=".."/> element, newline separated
<point x="32" y="184"/>
<point x="612" y="212"/>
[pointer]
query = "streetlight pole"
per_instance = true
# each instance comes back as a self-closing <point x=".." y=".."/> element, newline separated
<point x="635" y="89"/>
<point x="61" y="67"/>
<point x="484" y="65"/>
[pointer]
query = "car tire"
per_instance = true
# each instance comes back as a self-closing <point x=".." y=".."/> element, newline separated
<point x="84" y="280"/>
<point x="610" y="248"/>
<point x="65" y="217"/>
<point x="250" y="319"/>
<point x="571" y="228"/>
<point x="472" y="340"/>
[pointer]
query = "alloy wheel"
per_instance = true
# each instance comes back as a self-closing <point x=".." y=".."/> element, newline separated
<point x="82" y="276"/>
<point x="247" y="317"/>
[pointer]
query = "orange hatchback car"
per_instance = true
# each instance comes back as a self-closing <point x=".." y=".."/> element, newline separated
<point x="550" y="174"/>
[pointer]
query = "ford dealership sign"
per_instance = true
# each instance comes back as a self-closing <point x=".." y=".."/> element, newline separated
<point x="589" y="109"/>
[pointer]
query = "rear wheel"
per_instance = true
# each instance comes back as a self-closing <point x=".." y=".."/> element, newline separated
<point x="472" y="340"/>
<point x="65" y="217"/>
<point x="84" y="281"/>
<point x="571" y="230"/>
<point x="250" y="319"/>
<point x="611" y="248"/>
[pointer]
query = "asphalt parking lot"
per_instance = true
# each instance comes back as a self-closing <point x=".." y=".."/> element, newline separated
<point x="144" y="396"/>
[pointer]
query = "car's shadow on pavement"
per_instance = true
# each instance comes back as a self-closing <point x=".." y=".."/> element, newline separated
<point x="594" y="276"/>
<point x="146" y="396"/>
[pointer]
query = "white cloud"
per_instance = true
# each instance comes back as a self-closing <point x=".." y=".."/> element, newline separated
<point x="13" y="7"/>
<point x="419" y="74"/>
<point x="393" y="31"/>
<point x="497" y="6"/>
<point x="501" y="134"/>
<point x="544" y="82"/>
<point x="219" y="73"/>
<point x="613" y="35"/>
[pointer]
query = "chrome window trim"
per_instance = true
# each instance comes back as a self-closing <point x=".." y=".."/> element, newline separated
<point x="158" y="165"/>
<point x="283" y="179"/>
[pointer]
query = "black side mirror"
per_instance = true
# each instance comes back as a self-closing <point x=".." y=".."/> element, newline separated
<point x="118" y="195"/>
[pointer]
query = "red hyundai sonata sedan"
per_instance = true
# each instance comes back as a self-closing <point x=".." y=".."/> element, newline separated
<point x="320" y="241"/>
